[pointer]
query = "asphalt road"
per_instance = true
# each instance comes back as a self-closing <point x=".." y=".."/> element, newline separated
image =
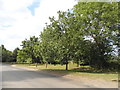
<point x="14" y="77"/>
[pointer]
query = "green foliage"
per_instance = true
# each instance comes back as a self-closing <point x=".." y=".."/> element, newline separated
<point x="6" y="55"/>
<point x="29" y="52"/>
<point x="14" y="54"/>
<point x="22" y="56"/>
<point x="98" y="21"/>
<point x="29" y="60"/>
<point x="87" y="34"/>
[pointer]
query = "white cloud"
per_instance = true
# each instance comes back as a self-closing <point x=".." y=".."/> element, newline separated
<point x="17" y="23"/>
<point x="14" y="5"/>
<point x="49" y="8"/>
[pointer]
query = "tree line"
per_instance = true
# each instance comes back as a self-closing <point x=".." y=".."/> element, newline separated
<point x="87" y="34"/>
<point x="7" y="55"/>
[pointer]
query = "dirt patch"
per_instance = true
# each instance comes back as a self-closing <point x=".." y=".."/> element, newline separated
<point x="94" y="82"/>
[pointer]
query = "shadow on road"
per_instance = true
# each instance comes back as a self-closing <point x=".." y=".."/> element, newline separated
<point x="16" y="74"/>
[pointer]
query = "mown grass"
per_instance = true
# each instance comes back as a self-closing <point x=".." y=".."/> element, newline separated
<point x="83" y="71"/>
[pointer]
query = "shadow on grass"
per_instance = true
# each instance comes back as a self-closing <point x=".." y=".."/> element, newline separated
<point x="92" y="70"/>
<point x="60" y="72"/>
<point x="79" y="70"/>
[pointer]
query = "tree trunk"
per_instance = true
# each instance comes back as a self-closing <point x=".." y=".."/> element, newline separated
<point x="36" y="64"/>
<point x="77" y="63"/>
<point x="46" y="64"/>
<point x="66" y="64"/>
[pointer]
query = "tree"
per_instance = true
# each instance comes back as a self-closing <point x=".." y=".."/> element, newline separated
<point x="22" y="57"/>
<point x="47" y="45"/>
<point x="98" y="21"/>
<point x="6" y="55"/>
<point x="28" y="51"/>
<point x="87" y="33"/>
<point x="14" y="54"/>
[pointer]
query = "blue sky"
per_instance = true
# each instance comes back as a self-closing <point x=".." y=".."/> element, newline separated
<point x="33" y="6"/>
<point x="20" y="19"/>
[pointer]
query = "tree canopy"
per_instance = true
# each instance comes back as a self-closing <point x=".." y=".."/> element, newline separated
<point x="86" y="34"/>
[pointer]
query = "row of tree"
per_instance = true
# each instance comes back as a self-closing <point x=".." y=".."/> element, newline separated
<point x="87" y="34"/>
<point x="8" y="56"/>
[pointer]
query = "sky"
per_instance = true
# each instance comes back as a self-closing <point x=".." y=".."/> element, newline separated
<point x="20" y="19"/>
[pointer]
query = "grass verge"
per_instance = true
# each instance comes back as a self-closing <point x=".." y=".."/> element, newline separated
<point x="83" y="71"/>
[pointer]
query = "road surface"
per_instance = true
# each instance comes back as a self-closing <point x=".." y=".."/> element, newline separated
<point x="14" y="77"/>
<point x="19" y="77"/>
